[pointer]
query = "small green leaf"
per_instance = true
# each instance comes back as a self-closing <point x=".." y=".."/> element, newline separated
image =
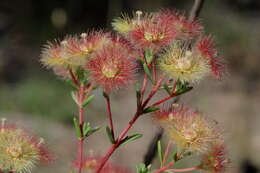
<point x="150" y="109"/>
<point x="77" y="127"/>
<point x="138" y="93"/>
<point x="130" y="138"/>
<point x="74" y="97"/>
<point x="71" y="84"/>
<point x="142" y="168"/>
<point x="182" y="87"/>
<point x="147" y="71"/>
<point x="110" y="136"/>
<point x="149" y="56"/>
<point x="87" y="100"/>
<point x="92" y="130"/>
<point x="86" y="128"/>
<point x="167" y="89"/>
<point x="159" y="152"/>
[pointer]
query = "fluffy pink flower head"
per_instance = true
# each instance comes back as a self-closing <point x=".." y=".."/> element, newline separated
<point x="90" y="164"/>
<point x="19" y="150"/>
<point x="152" y="32"/>
<point x="73" y="51"/>
<point x="113" y="66"/>
<point x="189" y="129"/>
<point x="145" y="30"/>
<point x="206" y="48"/>
<point x="215" y="160"/>
<point x="184" y="28"/>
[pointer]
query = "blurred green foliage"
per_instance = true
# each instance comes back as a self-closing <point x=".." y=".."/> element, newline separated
<point x="39" y="95"/>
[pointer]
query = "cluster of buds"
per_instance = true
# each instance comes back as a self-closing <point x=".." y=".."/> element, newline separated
<point x="19" y="150"/>
<point x="194" y="133"/>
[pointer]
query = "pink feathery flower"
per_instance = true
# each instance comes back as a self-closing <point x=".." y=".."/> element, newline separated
<point x="206" y="48"/>
<point x="215" y="160"/>
<point x="113" y="66"/>
<point x="184" y="28"/>
<point x="20" y="150"/>
<point x="152" y="32"/>
<point x="190" y="130"/>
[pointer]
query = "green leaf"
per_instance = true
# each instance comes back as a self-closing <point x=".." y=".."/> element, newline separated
<point x="149" y="56"/>
<point x="74" y="97"/>
<point x="93" y="130"/>
<point x="150" y="109"/>
<point x="148" y="73"/>
<point x="86" y="128"/>
<point x="138" y="93"/>
<point x="71" y="84"/>
<point x="182" y="87"/>
<point x="110" y="136"/>
<point x="87" y="100"/>
<point x="142" y="168"/>
<point x="77" y="127"/>
<point x="167" y="89"/>
<point x="130" y="138"/>
<point x="159" y="152"/>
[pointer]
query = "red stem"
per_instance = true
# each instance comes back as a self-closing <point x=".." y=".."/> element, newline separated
<point x="166" y="153"/>
<point x="73" y="77"/>
<point x="183" y="170"/>
<point x="81" y="97"/>
<point x="165" y="167"/>
<point x="109" y="114"/>
<point x="153" y="92"/>
<point x="144" y="86"/>
<point x="118" y="142"/>
<point x="162" y="100"/>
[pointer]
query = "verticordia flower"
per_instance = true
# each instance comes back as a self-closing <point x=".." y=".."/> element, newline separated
<point x="189" y="129"/>
<point x="206" y="48"/>
<point x="73" y="51"/>
<point x="184" y="65"/>
<point x="90" y="164"/>
<point x="114" y="66"/>
<point x="185" y="29"/>
<point x="19" y="151"/>
<point x="215" y="160"/>
<point x="145" y="31"/>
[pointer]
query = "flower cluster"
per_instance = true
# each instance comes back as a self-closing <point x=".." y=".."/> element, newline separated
<point x="172" y="34"/>
<point x="20" y="151"/>
<point x="174" y="54"/>
<point x="108" y="59"/>
<point x="90" y="164"/>
<point x="193" y="132"/>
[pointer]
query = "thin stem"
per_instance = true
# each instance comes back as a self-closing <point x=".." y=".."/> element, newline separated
<point x="196" y="9"/>
<point x="164" y="168"/>
<point x="166" y="153"/>
<point x="113" y="148"/>
<point x="153" y="92"/>
<point x="144" y="86"/>
<point x="81" y="97"/>
<point x="183" y="170"/>
<point x="73" y="77"/>
<point x="162" y="100"/>
<point x="110" y="119"/>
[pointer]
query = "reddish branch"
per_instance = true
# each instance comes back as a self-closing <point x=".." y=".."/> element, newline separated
<point x="110" y="119"/>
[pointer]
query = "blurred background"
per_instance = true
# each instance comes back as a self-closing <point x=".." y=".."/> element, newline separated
<point x="34" y="98"/>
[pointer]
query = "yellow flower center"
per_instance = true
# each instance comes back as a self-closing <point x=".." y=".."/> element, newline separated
<point x="153" y="37"/>
<point x="110" y="71"/>
<point x="14" y="151"/>
<point x="183" y="64"/>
